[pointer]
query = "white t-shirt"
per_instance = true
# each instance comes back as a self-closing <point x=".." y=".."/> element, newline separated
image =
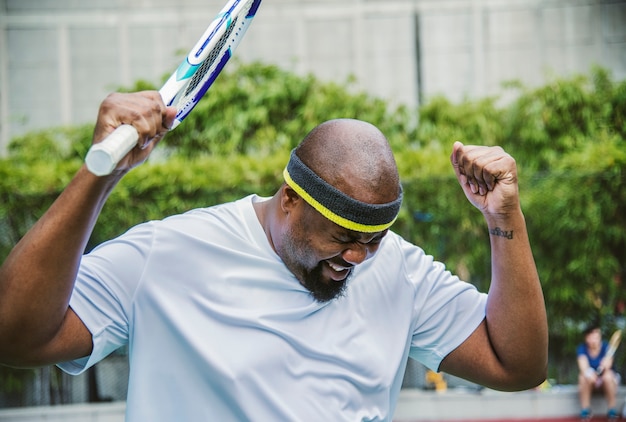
<point x="219" y="330"/>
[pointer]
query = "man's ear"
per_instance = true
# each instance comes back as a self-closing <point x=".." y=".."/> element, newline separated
<point x="289" y="198"/>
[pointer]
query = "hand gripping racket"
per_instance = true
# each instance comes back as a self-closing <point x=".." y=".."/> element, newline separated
<point x="187" y="84"/>
<point x="613" y="345"/>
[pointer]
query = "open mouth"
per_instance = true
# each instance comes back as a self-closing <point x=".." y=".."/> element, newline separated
<point x="338" y="272"/>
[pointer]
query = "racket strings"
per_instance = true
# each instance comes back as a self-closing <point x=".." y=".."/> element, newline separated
<point x="210" y="60"/>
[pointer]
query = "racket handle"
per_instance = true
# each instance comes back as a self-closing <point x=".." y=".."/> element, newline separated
<point x="102" y="157"/>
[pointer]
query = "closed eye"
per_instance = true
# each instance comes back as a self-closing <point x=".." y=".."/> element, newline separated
<point x="360" y="238"/>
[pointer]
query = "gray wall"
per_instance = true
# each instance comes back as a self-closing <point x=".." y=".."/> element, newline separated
<point x="59" y="58"/>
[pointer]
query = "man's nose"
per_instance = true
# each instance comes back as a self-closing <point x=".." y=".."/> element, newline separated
<point x="356" y="254"/>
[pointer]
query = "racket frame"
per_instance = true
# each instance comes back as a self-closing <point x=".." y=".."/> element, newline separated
<point x="227" y="29"/>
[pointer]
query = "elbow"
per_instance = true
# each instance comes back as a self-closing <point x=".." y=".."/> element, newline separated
<point x="13" y="343"/>
<point x="529" y="383"/>
<point x="21" y="358"/>
<point x="19" y="364"/>
<point x="13" y="355"/>
<point x="20" y="349"/>
<point x="13" y="360"/>
<point x="524" y="380"/>
<point x="541" y="375"/>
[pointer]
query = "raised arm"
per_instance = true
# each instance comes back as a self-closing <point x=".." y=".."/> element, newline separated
<point x="37" y="326"/>
<point x="509" y="350"/>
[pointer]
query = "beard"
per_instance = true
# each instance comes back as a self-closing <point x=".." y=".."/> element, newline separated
<point x="323" y="291"/>
<point x="297" y="258"/>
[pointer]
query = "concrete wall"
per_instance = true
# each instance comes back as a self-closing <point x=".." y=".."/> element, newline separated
<point x="59" y="58"/>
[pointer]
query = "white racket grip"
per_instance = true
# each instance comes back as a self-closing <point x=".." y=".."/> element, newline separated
<point x="102" y="157"/>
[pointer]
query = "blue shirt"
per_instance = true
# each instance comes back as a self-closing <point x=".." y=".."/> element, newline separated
<point x="594" y="362"/>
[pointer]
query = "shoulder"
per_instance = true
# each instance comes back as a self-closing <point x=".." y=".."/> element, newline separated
<point x="228" y="216"/>
<point x="411" y="265"/>
<point x="394" y="247"/>
<point x="413" y="261"/>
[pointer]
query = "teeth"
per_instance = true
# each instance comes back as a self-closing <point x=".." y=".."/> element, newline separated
<point x="336" y="267"/>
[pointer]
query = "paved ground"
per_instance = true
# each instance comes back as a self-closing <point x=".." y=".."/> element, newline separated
<point x="567" y="419"/>
<point x="557" y="404"/>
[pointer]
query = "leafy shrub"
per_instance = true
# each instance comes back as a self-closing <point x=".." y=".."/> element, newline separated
<point x="568" y="138"/>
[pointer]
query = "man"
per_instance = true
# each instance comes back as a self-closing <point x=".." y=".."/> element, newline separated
<point x="302" y="306"/>
<point x="595" y="373"/>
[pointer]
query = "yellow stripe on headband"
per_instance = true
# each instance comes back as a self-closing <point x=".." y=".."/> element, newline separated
<point x="337" y="219"/>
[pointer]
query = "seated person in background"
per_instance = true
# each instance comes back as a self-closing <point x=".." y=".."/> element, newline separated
<point x="595" y="372"/>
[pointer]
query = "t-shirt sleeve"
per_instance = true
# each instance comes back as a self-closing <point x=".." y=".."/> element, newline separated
<point x="447" y="309"/>
<point x="105" y="286"/>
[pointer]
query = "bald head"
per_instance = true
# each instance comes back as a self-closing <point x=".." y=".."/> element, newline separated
<point x="354" y="157"/>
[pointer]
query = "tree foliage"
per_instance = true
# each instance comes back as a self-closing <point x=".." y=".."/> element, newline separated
<point x="262" y="109"/>
<point x="568" y="138"/>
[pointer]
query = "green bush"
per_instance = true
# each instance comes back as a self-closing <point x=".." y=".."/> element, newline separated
<point x="568" y="138"/>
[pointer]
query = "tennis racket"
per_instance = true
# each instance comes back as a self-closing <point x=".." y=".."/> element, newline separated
<point x="616" y="338"/>
<point x="186" y="86"/>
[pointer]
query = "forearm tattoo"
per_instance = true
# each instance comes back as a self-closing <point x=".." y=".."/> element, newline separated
<point x="502" y="233"/>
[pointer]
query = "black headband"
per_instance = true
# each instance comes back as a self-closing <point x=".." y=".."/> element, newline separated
<point x="336" y="205"/>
